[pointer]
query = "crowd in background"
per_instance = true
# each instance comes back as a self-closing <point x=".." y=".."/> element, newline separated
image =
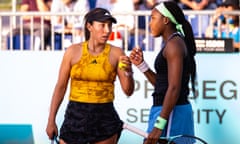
<point x="217" y="26"/>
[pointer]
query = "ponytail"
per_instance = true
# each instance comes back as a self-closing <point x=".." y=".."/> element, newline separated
<point x="191" y="48"/>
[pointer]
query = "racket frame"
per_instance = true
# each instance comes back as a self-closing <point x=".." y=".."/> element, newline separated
<point x="145" y="134"/>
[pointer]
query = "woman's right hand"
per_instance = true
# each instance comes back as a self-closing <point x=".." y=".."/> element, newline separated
<point x="52" y="130"/>
<point x="136" y="56"/>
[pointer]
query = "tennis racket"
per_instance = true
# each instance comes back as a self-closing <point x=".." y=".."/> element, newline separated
<point x="55" y="140"/>
<point x="179" y="139"/>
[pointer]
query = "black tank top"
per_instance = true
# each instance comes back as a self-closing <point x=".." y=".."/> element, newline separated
<point x="161" y="85"/>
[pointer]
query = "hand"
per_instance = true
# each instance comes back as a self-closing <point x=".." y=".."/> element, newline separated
<point x="153" y="136"/>
<point x="125" y="63"/>
<point x="52" y="130"/>
<point x="194" y="5"/>
<point x="136" y="56"/>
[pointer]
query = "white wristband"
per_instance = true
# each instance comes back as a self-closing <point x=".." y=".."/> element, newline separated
<point x="143" y="67"/>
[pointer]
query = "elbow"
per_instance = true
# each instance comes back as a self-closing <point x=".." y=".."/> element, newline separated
<point x="129" y="93"/>
<point x="175" y="90"/>
<point x="129" y="90"/>
<point x="128" y="86"/>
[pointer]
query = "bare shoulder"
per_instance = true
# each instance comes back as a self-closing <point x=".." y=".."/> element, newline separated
<point x="175" y="46"/>
<point x="116" y="50"/>
<point x="74" y="48"/>
<point x="114" y="55"/>
<point x="74" y="52"/>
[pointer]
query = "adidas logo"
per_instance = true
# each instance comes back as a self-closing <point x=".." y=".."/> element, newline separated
<point x="107" y="14"/>
<point x="94" y="62"/>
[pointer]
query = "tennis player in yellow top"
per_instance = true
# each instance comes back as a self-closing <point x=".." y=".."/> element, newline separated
<point x="91" y="68"/>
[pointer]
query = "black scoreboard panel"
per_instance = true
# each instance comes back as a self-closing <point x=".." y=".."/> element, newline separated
<point x="214" y="45"/>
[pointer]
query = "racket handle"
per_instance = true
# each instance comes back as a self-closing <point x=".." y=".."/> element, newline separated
<point x="135" y="130"/>
<point x="55" y="140"/>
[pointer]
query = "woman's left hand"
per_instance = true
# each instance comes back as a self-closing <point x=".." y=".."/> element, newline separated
<point x="125" y="64"/>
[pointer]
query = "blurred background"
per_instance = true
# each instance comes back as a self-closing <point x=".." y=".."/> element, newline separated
<point x="33" y="40"/>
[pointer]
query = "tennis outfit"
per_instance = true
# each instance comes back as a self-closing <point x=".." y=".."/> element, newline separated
<point x="181" y="118"/>
<point x="90" y="115"/>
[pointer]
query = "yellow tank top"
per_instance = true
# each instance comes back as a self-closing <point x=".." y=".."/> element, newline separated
<point x="92" y="77"/>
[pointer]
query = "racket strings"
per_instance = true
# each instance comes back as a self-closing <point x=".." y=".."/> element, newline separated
<point x="185" y="140"/>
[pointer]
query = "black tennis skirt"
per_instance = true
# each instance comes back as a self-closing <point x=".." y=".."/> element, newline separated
<point x="88" y="123"/>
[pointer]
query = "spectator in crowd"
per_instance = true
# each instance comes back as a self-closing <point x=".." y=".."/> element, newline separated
<point x="194" y="19"/>
<point x="119" y="6"/>
<point x="92" y="67"/>
<point x="92" y="3"/>
<point x="142" y="5"/>
<point x="235" y="33"/>
<point x="225" y="25"/>
<point x="125" y="22"/>
<point x="219" y="2"/>
<point x="143" y="40"/>
<point x="35" y="6"/>
<point x="70" y="25"/>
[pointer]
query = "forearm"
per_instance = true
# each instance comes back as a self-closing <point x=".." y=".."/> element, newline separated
<point x="128" y="87"/>
<point x="170" y="101"/>
<point x="187" y="3"/>
<point x="56" y="102"/>
<point x="203" y="4"/>
<point x="24" y="8"/>
<point x="42" y="6"/>
<point x="151" y="76"/>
